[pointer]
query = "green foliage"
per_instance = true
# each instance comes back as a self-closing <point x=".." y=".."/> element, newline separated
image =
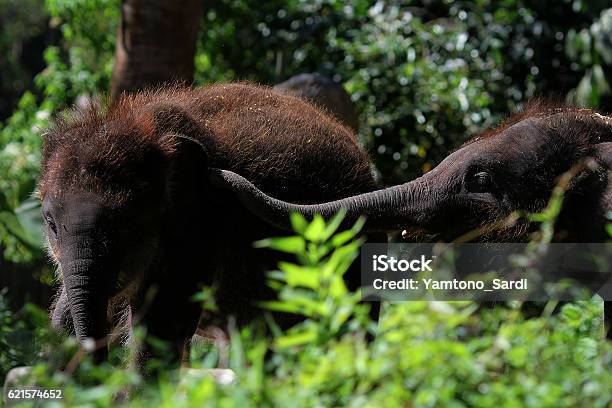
<point x="424" y="354"/>
<point x="315" y="287"/>
<point x="19" y="164"/>
<point x="80" y="66"/>
<point x="22" y="335"/>
<point x="591" y="47"/>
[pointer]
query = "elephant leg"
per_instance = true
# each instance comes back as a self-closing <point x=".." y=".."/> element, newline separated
<point x="61" y="318"/>
<point x="172" y="317"/>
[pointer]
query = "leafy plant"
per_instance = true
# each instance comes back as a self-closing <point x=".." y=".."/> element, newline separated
<point x="315" y="287"/>
<point x="424" y="354"/>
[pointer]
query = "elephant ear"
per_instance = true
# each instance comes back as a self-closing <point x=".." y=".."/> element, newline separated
<point x="182" y="139"/>
<point x="186" y="171"/>
<point x="183" y="142"/>
<point x="170" y="118"/>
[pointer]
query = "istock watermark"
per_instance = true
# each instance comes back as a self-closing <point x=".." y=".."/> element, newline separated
<point x="383" y="263"/>
<point x="486" y="272"/>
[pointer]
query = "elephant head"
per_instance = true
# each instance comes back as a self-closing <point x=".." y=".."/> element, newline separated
<point x="513" y="168"/>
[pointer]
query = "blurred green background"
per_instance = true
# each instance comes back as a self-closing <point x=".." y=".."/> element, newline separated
<point x="424" y="75"/>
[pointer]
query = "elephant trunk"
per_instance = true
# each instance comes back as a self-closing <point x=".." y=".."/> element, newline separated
<point x="87" y="281"/>
<point x="388" y="209"/>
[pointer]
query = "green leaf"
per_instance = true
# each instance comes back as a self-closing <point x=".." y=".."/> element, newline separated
<point x="304" y="276"/>
<point x="337" y="288"/>
<point x="342" y="238"/>
<point x="237" y="358"/>
<point x="14" y="227"/>
<point x="296" y="339"/>
<point x="307" y="302"/>
<point x="280" y="307"/>
<point x="298" y="222"/>
<point x="342" y="258"/>
<point x="30" y="218"/>
<point x="12" y="224"/>
<point x="291" y="245"/>
<point x="341" y="316"/>
<point x="587" y="347"/>
<point x="358" y="225"/>
<point x="314" y="231"/>
<point x="277" y="275"/>
<point x="333" y="224"/>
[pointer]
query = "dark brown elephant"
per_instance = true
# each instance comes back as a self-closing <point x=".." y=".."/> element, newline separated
<point x="472" y="193"/>
<point x="135" y="225"/>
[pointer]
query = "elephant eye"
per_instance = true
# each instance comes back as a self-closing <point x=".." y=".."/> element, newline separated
<point x="480" y="182"/>
<point x="51" y="224"/>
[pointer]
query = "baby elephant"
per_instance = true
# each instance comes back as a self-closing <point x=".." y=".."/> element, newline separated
<point x="135" y="226"/>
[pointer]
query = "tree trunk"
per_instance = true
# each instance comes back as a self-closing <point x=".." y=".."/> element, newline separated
<point x="156" y="44"/>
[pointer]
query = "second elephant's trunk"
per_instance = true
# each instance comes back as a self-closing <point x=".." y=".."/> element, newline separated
<point x="388" y="209"/>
